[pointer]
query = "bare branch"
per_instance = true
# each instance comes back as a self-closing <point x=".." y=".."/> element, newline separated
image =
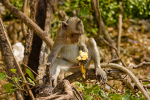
<point x="101" y="38"/>
<point x="67" y="92"/>
<point x="22" y="24"/>
<point x="95" y="6"/>
<point x="90" y="75"/>
<point x="119" y="26"/>
<point x="141" y="64"/>
<point x="11" y="63"/>
<point x="29" y="22"/>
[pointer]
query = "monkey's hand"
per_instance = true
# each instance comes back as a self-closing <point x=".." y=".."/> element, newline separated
<point x="102" y="74"/>
<point x="83" y="56"/>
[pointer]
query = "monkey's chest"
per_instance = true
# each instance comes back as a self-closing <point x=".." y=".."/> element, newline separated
<point x="69" y="52"/>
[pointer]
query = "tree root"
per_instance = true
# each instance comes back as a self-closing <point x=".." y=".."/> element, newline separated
<point x="91" y="75"/>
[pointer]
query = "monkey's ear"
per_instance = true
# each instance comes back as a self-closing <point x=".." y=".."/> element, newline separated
<point x="64" y="25"/>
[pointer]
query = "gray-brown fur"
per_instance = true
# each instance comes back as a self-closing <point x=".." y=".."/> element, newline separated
<point x="69" y="40"/>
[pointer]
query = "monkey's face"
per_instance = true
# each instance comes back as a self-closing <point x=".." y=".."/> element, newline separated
<point x="73" y="29"/>
<point x="73" y="38"/>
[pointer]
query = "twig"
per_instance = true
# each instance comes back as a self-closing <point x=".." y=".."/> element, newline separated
<point x="28" y="44"/>
<point x="30" y="69"/>
<point x="19" y="81"/>
<point x="101" y="38"/>
<point x="101" y="24"/>
<point x="64" y="85"/>
<point x="120" y="26"/>
<point x="147" y="86"/>
<point x="74" y="88"/>
<point x="115" y="89"/>
<point x="29" y="22"/>
<point x="145" y="80"/>
<point x="22" y="24"/>
<point x="141" y="64"/>
<point x="17" y="64"/>
<point x="114" y="66"/>
<point x="3" y="93"/>
<point x="113" y="60"/>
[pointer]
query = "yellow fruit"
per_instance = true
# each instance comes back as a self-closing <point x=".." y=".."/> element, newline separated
<point x="83" y="71"/>
<point x="82" y="55"/>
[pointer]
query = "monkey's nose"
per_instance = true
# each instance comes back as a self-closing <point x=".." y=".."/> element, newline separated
<point x="76" y="42"/>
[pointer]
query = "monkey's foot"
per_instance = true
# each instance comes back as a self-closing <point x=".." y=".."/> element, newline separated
<point x="83" y="71"/>
<point x="102" y="74"/>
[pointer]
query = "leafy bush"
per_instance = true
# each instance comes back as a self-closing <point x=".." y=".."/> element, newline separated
<point x="15" y="84"/>
<point x="109" y="9"/>
<point x="96" y="93"/>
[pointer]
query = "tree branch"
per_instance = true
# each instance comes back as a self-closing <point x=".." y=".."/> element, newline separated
<point x="91" y="75"/>
<point x="8" y="56"/>
<point x="67" y="92"/>
<point x="95" y="6"/>
<point x="120" y="26"/>
<point x="29" y="23"/>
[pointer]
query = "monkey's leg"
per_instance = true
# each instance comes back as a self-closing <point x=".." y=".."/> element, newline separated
<point x="59" y="65"/>
<point x="94" y="55"/>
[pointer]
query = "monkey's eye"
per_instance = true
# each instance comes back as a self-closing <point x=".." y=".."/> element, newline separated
<point x="72" y="35"/>
<point x="64" y="27"/>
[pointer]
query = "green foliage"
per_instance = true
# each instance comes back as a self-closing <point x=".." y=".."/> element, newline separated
<point x="15" y="83"/>
<point x="2" y="76"/>
<point x="32" y="82"/>
<point x="18" y="4"/>
<point x="95" y="92"/>
<point x="88" y="97"/>
<point x="9" y="88"/>
<point x="136" y="8"/>
<point x="30" y="74"/>
<point x="91" y="93"/>
<point x="15" y="79"/>
<point x="13" y="70"/>
<point x="109" y="10"/>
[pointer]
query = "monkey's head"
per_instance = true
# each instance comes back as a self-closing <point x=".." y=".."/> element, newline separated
<point x="73" y="29"/>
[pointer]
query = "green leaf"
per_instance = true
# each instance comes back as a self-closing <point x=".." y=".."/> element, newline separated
<point x="88" y="90"/>
<point x="135" y="98"/>
<point x="30" y="74"/>
<point x="102" y="94"/>
<point x="8" y="85"/>
<point x="145" y="83"/>
<point x="2" y="76"/>
<point x="128" y="92"/>
<point x="81" y="87"/>
<point x="12" y="90"/>
<point x="105" y="99"/>
<point x="116" y="97"/>
<point x="15" y="79"/>
<point x="96" y="90"/>
<point x="9" y="88"/>
<point x="84" y="11"/>
<point x="88" y="97"/>
<point x="127" y="97"/>
<point x="32" y="82"/>
<point x="13" y="70"/>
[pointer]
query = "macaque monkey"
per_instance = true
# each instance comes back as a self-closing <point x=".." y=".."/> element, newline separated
<point x="70" y="39"/>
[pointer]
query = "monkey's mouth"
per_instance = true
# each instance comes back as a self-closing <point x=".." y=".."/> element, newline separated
<point x="75" y="43"/>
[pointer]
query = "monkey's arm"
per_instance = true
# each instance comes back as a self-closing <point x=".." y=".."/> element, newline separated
<point x="56" y="48"/>
<point x="82" y="44"/>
